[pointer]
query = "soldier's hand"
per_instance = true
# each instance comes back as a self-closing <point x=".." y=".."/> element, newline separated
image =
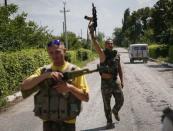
<point x="56" y="75"/>
<point x="62" y="87"/>
<point x="91" y="28"/>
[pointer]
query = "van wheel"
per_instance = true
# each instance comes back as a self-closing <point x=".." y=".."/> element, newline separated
<point x="131" y="61"/>
<point x="145" y="61"/>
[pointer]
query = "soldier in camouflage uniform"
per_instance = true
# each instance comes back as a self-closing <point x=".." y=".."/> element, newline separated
<point x="110" y="85"/>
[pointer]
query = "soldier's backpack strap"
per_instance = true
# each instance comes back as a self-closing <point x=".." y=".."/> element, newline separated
<point x="71" y="67"/>
<point x="117" y="55"/>
<point x="46" y="68"/>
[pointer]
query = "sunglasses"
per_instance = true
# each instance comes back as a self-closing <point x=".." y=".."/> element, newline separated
<point x="54" y="42"/>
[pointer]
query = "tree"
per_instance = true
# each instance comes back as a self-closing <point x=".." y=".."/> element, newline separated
<point x="118" y="36"/>
<point x="17" y="34"/>
<point x="125" y="21"/>
<point x="148" y="25"/>
<point x="162" y="20"/>
<point x="74" y="42"/>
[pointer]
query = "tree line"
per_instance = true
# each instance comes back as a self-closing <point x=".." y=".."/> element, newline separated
<point x="147" y="25"/>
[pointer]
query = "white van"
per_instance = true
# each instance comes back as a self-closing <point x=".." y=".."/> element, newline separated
<point x="138" y="52"/>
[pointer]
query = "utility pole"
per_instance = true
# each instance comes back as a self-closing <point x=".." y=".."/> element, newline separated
<point x="63" y="28"/>
<point x="81" y="33"/>
<point x="5" y="3"/>
<point x="65" y="25"/>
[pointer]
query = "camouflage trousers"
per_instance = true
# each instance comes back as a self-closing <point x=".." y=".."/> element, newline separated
<point x="111" y="87"/>
<point x="57" y="126"/>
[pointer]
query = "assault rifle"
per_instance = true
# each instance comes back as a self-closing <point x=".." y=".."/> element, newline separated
<point x="73" y="74"/>
<point x="93" y="19"/>
<point x="67" y="76"/>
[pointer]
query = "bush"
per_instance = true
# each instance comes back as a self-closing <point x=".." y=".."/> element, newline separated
<point x="156" y="51"/>
<point x="152" y="50"/>
<point x="83" y="54"/>
<point x="70" y="56"/>
<point x="164" y="51"/>
<point x="16" y="66"/>
<point x="171" y="54"/>
<point x="3" y="80"/>
<point x="3" y="101"/>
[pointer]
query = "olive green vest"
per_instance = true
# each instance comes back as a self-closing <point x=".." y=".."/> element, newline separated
<point x="111" y="62"/>
<point x="53" y="106"/>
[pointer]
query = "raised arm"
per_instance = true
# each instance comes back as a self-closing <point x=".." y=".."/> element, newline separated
<point x="96" y="45"/>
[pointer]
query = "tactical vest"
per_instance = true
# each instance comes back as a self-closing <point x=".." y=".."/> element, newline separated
<point x="53" y="106"/>
<point x="111" y="63"/>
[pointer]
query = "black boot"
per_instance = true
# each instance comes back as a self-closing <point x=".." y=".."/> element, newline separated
<point x="109" y="125"/>
<point x="116" y="115"/>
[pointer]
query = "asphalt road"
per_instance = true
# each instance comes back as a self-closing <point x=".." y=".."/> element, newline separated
<point x="148" y="90"/>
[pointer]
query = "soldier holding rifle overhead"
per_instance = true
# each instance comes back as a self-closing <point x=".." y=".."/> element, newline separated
<point x="110" y="84"/>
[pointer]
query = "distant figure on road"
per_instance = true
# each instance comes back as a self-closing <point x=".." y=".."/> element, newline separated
<point x="109" y="84"/>
<point x="57" y="105"/>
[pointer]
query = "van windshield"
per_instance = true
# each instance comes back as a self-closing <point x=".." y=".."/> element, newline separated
<point x="143" y="48"/>
<point x="140" y="48"/>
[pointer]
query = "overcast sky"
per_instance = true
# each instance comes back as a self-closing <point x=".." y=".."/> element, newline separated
<point x="110" y="13"/>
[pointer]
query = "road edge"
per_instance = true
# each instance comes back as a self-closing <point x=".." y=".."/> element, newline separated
<point x="162" y="62"/>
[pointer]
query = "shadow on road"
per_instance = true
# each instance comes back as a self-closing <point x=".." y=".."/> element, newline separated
<point x="99" y="128"/>
<point x="166" y="70"/>
<point x="134" y="63"/>
<point x="157" y="66"/>
<point x="161" y="66"/>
